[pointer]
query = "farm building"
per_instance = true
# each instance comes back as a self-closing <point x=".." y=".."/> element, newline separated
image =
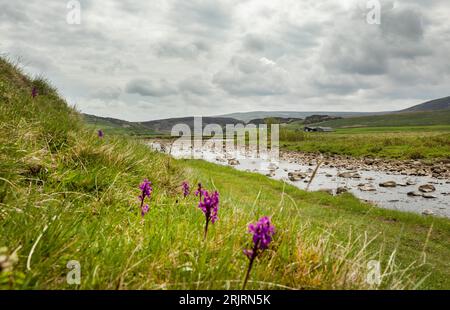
<point x="318" y="129"/>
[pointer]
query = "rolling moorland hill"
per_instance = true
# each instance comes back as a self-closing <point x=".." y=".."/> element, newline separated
<point x="156" y="127"/>
<point x="117" y="126"/>
<point x="393" y="120"/>
<point x="433" y="105"/>
<point x="166" y="125"/>
<point x="406" y="117"/>
<point x="248" y="116"/>
<point x="67" y="194"/>
<point x="434" y="112"/>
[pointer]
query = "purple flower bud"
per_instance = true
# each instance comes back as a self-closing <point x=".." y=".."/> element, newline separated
<point x="186" y="189"/>
<point x="144" y="210"/>
<point x="199" y="191"/>
<point x="262" y="232"/>
<point x="34" y="92"/>
<point x="146" y="189"/>
<point x="210" y="205"/>
<point x="100" y="133"/>
<point x="248" y="253"/>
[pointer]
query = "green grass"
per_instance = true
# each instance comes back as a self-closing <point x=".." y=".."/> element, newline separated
<point x="117" y="127"/>
<point x="417" y="135"/>
<point x="419" y="142"/>
<point x="393" y="120"/>
<point x="67" y="195"/>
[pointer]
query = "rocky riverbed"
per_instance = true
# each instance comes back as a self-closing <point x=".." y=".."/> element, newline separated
<point x="413" y="186"/>
<point x="439" y="170"/>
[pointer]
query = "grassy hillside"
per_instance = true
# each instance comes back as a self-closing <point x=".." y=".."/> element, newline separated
<point x="66" y="194"/>
<point x="431" y="143"/>
<point x="433" y="105"/>
<point x="248" y="116"/>
<point x="162" y="127"/>
<point x="393" y="120"/>
<point x="118" y="127"/>
<point x="415" y="135"/>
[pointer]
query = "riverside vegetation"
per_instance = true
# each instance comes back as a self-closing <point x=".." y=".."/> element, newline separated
<point x="68" y="194"/>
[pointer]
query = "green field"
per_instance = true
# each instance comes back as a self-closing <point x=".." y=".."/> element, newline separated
<point x="117" y="127"/>
<point x="430" y="143"/>
<point x="66" y="194"/>
<point x="393" y="120"/>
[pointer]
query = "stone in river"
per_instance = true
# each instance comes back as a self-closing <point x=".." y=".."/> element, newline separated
<point x="415" y="194"/>
<point x="296" y="176"/>
<point x="233" y="162"/>
<point x="388" y="184"/>
<point x="366" y="188"/>
<point x="369" y="161"/>
<point x="353" y="175"/>
<point x="427" y="212"/>
<point x="429" y="196"/>
<point x="427" y="188"/>
<point x="271" y="173"/>
<point x="341" y="190"/>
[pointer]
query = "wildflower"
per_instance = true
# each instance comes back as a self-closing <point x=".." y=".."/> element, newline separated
<point x="100" y="133"/>
<point x="199" y="191"/>
<point x="146" y="191"/>
<point x="144" y="210"/>
<point x="186" y="189"/>
<point x="34" y="92"/>
<point x="210" y="207"/>
<point x="262" y="231"/>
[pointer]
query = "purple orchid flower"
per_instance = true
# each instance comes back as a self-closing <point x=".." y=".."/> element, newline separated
<point x="210" y="207"/>
<point x="200" y="191"/>
<point x="262" y="231"/>
<point x="186" y="189"/>
<point x="144" y="210"/>
<point x="100" y="133"/>
<point x="34" y="92"/>
<point x="146" y="191"/>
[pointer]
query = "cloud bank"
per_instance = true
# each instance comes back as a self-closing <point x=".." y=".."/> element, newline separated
<point x="143" y="60"/>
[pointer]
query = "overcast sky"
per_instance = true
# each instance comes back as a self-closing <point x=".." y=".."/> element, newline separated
<point x="148" y="59"/>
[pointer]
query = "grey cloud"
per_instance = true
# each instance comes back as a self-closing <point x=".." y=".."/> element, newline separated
<point x="404" y="24"/>
<point x="150" y="88"/>
<point x="254" y="42"/>
<point x="195" y="85"/>
<point x="201" y="16"/>
<point x="181" y="50"/>
<point x="248" y="76"/>
<point x="107" y="93"/>
<point x="225" y="55"/>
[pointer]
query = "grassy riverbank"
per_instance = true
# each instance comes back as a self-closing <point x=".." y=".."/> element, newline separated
<point x="66" y="194"/>
<point x="410" y="142"/>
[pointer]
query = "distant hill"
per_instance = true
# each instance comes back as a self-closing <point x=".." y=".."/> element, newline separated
<point x="166" y="125"/>
<point x="155" y="127"/>
<point x="393" y="120"/>
<point x="278" y="120"/>
<point x="117" y="126"/>
<point x="248" y="116"/>
<point x="319" y="118"/>
<point x="422" y="114"/>
<point x="433" y="105"/>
